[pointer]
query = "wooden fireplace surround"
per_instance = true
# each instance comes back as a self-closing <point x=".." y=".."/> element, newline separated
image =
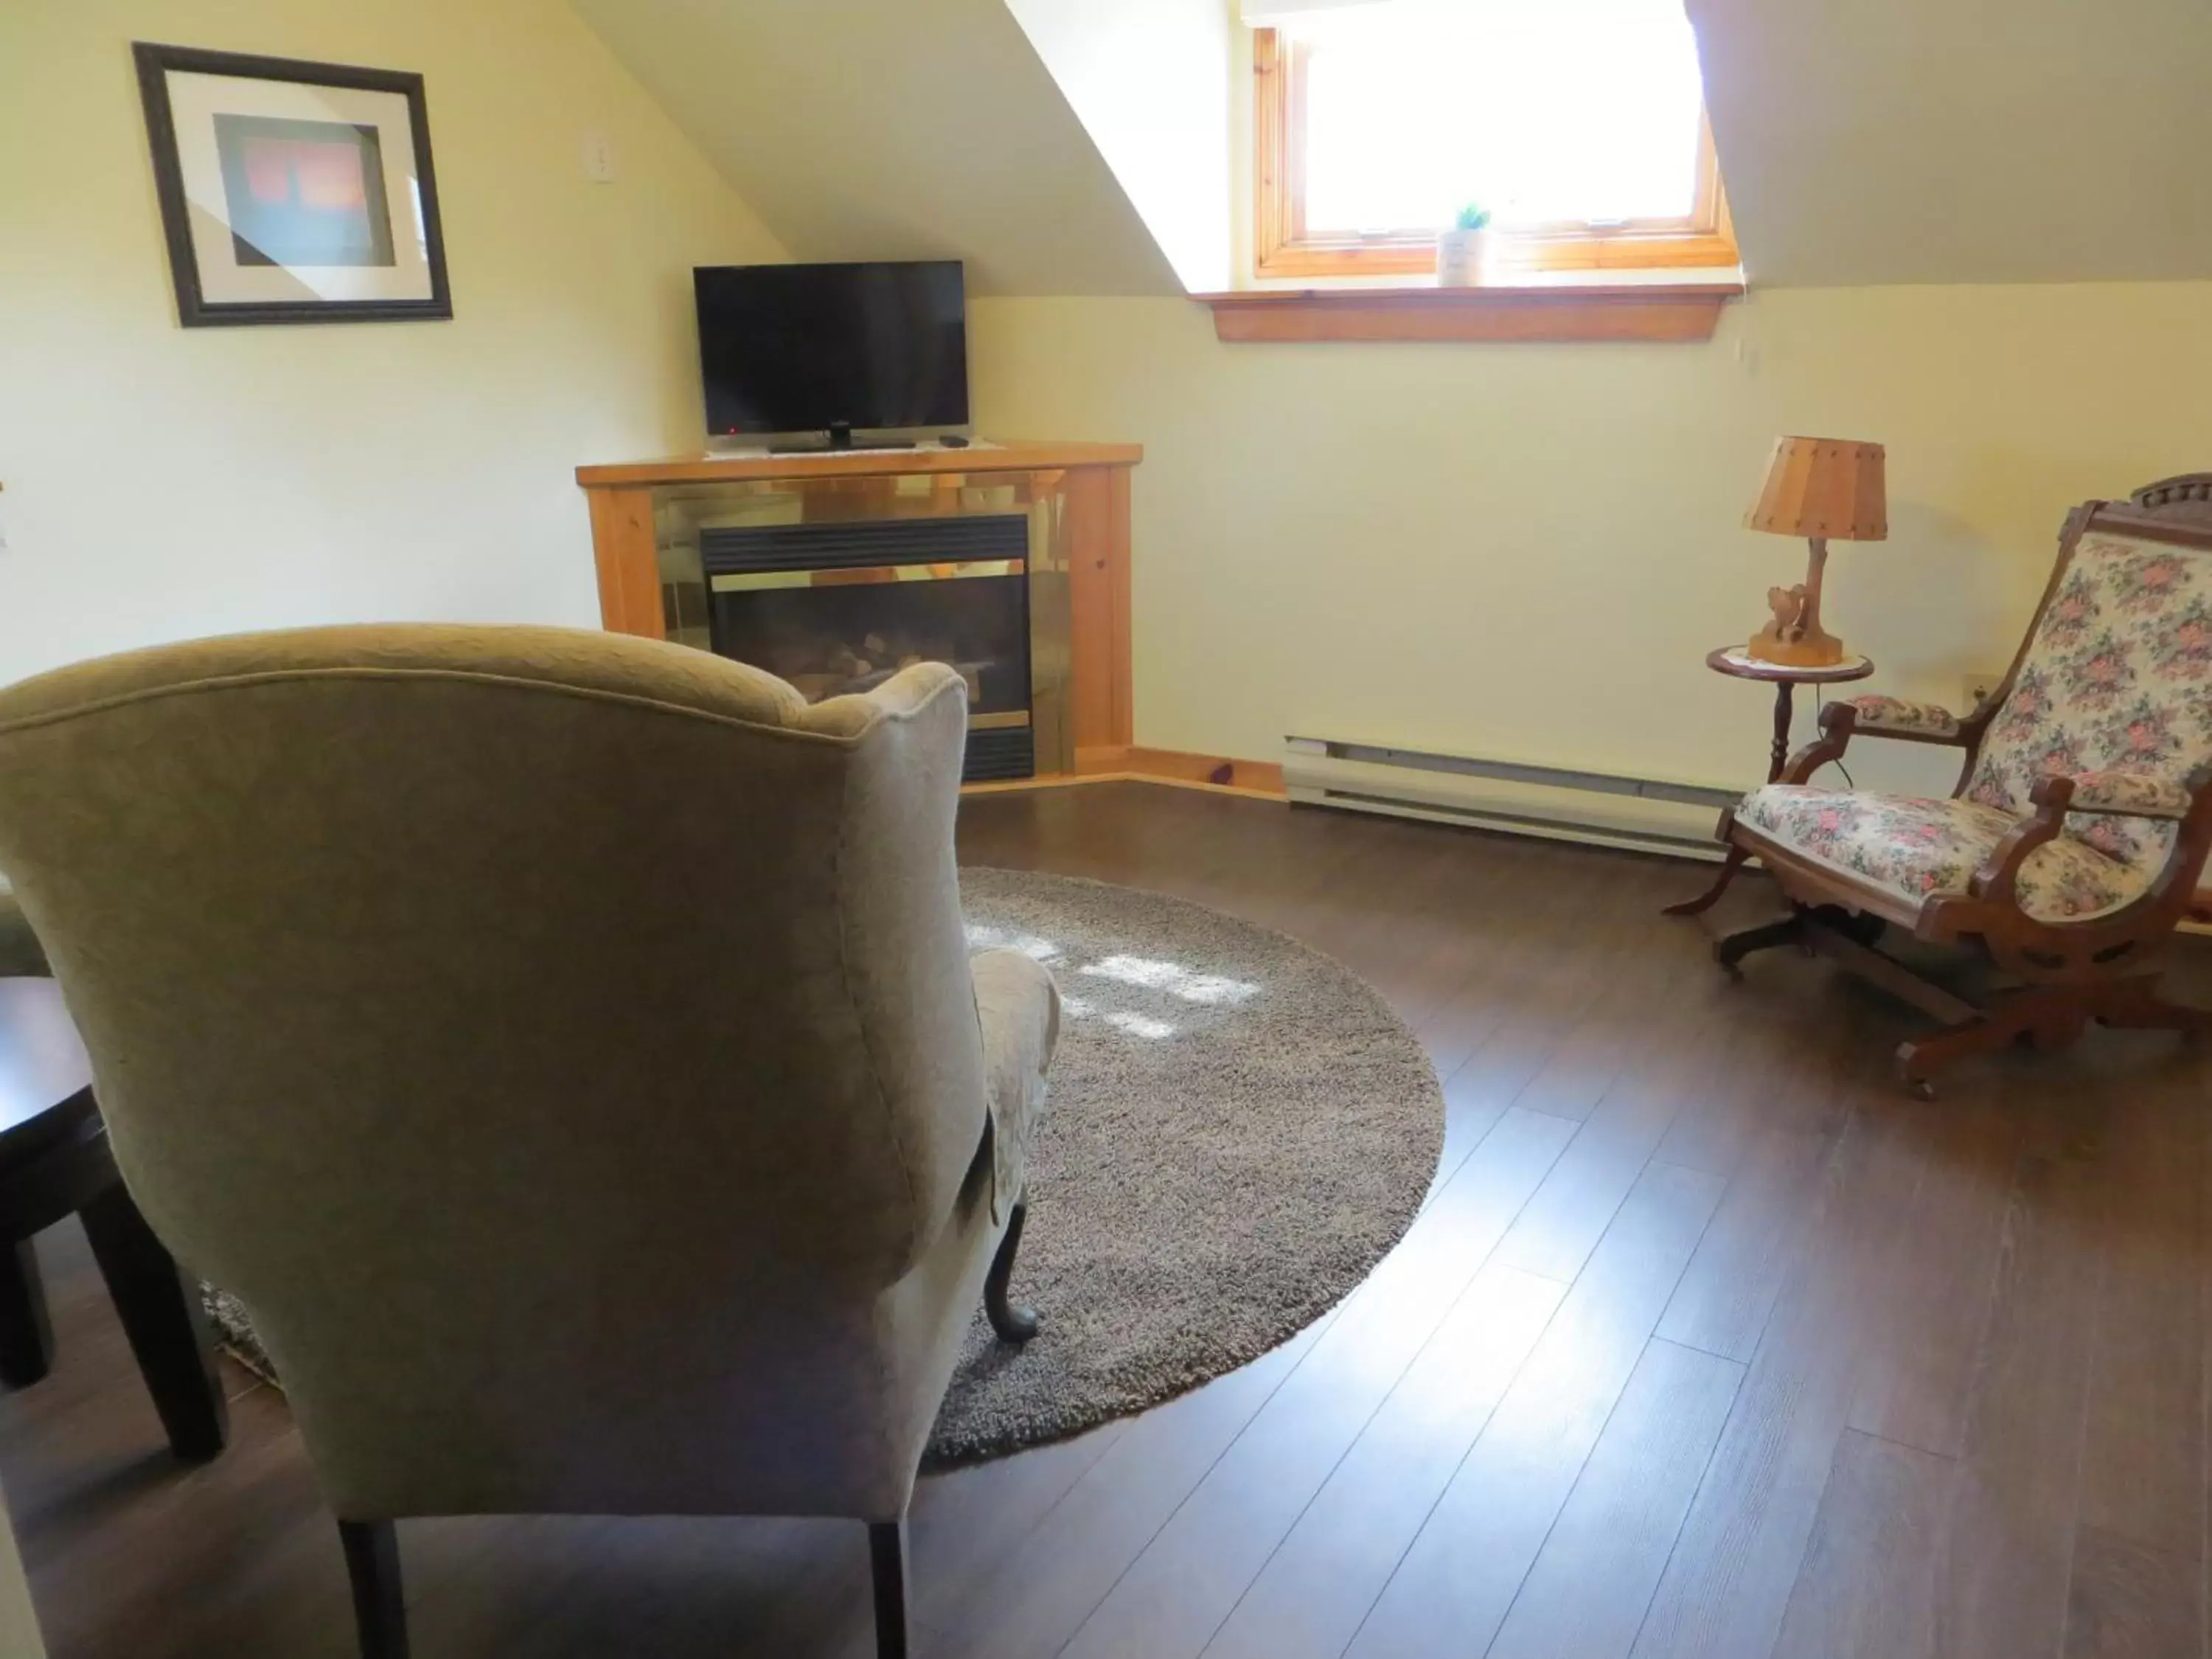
<point x="1092" y="480"/>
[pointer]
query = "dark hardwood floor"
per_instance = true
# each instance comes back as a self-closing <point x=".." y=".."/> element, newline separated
<point x="1710" y="1344"/>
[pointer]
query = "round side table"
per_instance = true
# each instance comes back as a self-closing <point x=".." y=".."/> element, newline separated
<point x="1785" y="677"/>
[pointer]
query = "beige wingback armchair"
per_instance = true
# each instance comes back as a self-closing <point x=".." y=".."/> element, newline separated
<point x="566" y="1044"/>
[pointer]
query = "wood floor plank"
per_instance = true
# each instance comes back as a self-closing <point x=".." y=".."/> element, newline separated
<point x="1772" y="1203"/>
<point x="1866" y="1589"/>
<point x="964" y="1521"/>
<point x="1914" y="1388"/>
<point x="1178" y="1592"/>
<point x="2002" y="1590"/>
<point x="1452" y="1590"/>
<point x="1311" y="1599"/>
<point x="1030" y="1600"/>
<point x="1728" y="1585"/>
<point x="1561" y="1225"/>
<point x="2128" y="1599"/>
<point x="1586" y="1593"/>
<point x="2144" y="1442"/>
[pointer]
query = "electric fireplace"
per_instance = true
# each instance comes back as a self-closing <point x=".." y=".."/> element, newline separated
<point x="837" y="585"/>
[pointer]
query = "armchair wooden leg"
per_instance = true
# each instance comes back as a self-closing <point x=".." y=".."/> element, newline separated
<point x="1014" y="1321"/>
<point x="1730" y="949"/>
<point x="887" y="1563"/>
<point x="380" y="1603"/>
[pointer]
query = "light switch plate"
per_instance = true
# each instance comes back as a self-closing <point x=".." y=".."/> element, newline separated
<point x="598" y="157"/>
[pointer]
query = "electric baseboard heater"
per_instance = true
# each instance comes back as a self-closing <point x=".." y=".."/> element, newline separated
<point x="1605" y="808"/>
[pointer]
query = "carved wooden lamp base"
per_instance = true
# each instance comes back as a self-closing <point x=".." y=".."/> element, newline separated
<point x="1812" y="649"/>
<point x="1794" y="637"/>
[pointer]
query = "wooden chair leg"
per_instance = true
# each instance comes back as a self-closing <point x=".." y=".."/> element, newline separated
<point x="2139" y="1007"/>
<point x="1697" y="907"/>
<point x="2050" y="1017"/>
<point x="1013" y="1322"/>
<point x="380" y="1602"/>
<point x="1919" y="1060"/>
<point x="1730" y="949"/>
<point x="27" y="1335"/>
<point x="887" y="1563"/>
<point x="161" y="1311"/>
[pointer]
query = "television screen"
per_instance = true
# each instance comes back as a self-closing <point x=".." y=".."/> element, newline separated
<point x="814" y="348"/>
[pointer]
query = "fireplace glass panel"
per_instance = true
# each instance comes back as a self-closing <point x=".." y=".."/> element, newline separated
<point x="832" y="633"/>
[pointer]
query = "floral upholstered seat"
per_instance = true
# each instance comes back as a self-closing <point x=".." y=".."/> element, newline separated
<point x="2114" y="691"/>
<point x="1925" y="847"/>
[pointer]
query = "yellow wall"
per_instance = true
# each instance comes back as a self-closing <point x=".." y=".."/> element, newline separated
<point x="1527" y="551"/>
<point x="163" y="482"/>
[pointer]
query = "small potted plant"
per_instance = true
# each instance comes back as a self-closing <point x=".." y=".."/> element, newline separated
<point x="1463" y="253"/>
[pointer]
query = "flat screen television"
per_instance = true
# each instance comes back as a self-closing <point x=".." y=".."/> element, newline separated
<point x="833" y="348"/>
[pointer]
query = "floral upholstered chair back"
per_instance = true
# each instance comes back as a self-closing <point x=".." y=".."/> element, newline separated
<point x="2118" y="678"/>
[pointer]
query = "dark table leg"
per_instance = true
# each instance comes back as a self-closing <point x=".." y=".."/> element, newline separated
<point x="1777" y="757"/>
<point x="161" y="1311"/>
<point x="26" y="1336"/>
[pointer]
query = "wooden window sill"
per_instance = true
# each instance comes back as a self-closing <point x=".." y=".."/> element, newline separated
<point x="1557" y="310"/>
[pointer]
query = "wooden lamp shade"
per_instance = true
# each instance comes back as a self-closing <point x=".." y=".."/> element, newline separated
<point x="1823" y="489"/>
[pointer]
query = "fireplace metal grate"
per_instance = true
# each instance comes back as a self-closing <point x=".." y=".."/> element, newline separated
<point x="851" y="545"/>
<point x="1010" y="752"/>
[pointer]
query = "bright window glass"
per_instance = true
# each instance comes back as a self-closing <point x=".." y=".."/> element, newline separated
<point x="1570" y="112"/>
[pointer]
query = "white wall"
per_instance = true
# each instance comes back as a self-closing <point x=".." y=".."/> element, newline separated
<point x="163" y="482"/>
<point x="1150" y="80"/>
<point x="1527" y="551"/>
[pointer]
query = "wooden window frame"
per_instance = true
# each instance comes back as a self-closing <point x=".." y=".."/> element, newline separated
<point x="1281" y="247"/>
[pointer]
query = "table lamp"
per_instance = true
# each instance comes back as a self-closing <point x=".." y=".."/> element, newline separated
<point x="1822" y="488"/>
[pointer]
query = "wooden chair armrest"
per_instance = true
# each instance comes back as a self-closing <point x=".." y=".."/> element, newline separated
<point x="1842" y="721"/>
<point x="1993" y="883"/>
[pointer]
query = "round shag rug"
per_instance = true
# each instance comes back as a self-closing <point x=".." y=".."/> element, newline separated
<point x="1237" y="1129"/>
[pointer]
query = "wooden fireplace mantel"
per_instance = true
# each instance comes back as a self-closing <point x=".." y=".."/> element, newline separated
<point x="1093" y="483"/>
<point x="859" y="464"/>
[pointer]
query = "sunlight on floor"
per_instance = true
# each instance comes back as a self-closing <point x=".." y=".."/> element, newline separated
<point x="1159" y="979"/>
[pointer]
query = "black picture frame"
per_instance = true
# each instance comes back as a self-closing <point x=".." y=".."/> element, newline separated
<point x="194" y="310"/>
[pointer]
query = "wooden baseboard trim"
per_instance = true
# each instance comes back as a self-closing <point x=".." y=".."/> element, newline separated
<point x="1258" y="779"/>
<point x="1175" y="765"/>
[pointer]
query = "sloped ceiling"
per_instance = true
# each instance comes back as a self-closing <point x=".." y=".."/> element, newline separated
<point x="1869" y="142"/>
<point x="1150" y="79"/>
<point x="1863" y="141"/>
<point x="894" y="129"/>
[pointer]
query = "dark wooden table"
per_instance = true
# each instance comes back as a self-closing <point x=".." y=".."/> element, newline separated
<point x="1785" y="677"/>
<point x="54" y="1163"/>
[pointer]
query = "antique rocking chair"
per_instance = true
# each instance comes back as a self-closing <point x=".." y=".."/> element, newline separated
<point x="2072" y="844"/>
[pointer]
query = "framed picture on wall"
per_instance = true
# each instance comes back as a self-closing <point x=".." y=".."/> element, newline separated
<point x="293" y="193"/>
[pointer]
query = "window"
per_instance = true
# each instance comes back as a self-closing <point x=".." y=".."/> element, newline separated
<point x="1579" y="124"/>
